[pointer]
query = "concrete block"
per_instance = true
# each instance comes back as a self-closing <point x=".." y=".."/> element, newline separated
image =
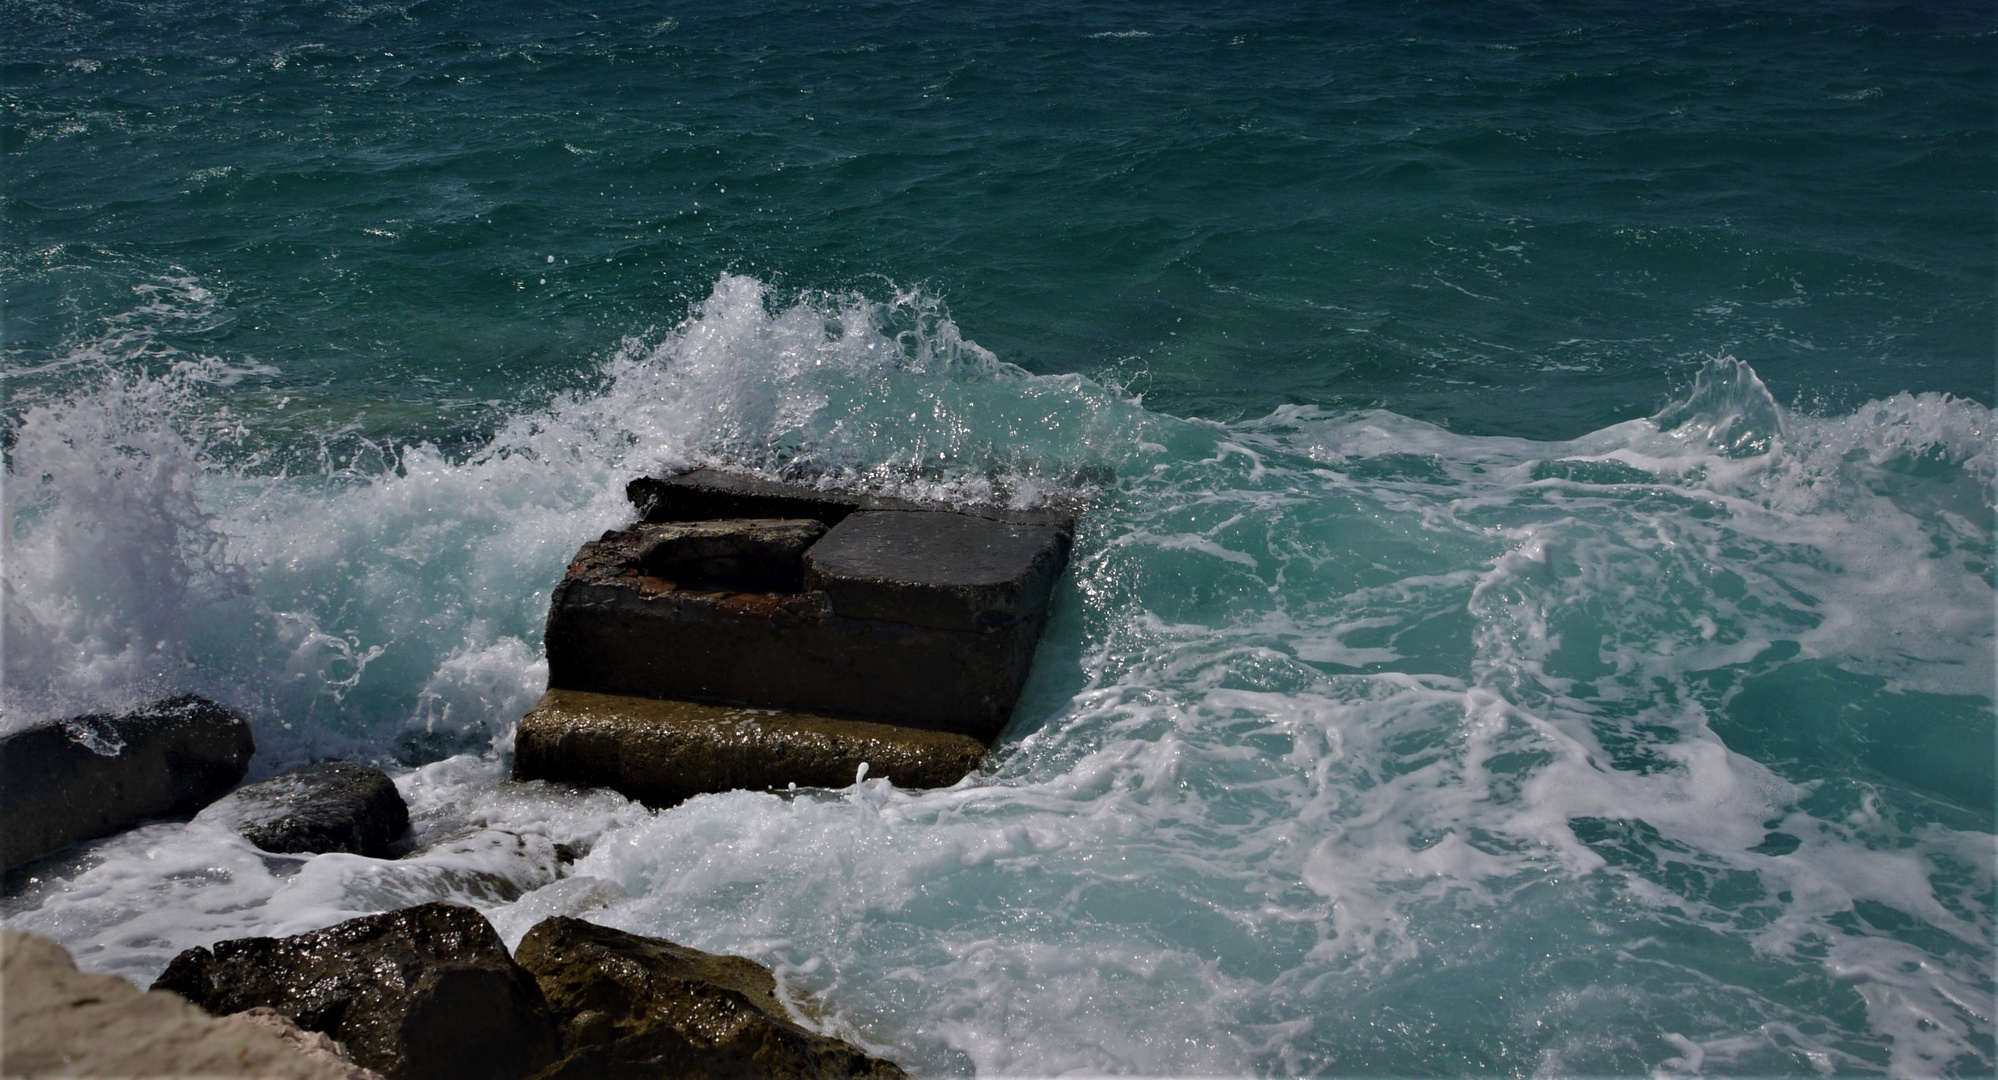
<point x="948" y="571"/>
<point x="614" y="629"/>
<point x="742" y="593"/>
<point x="661" y="752"/>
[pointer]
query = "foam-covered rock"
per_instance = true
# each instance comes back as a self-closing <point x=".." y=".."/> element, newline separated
<point x="329" y="806"/>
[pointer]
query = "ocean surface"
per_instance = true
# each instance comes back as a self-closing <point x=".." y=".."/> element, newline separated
<point x="1536" y="611"/>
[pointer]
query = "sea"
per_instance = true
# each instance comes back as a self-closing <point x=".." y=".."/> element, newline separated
<point x="1534" y="611"/>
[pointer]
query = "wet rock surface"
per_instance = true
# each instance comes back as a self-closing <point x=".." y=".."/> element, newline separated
<point x="707" y="494"/>
<point x="661" y="752"/>
<point x="330" y="806"/>
<point x="58" y="1021"/>
<point x="915" y="618"/>
<point x="634" y="1007"/>
<point x="740" y="555"/>
<point x="947" y="571"/>
<point x="425" y="993"/>
<point x="92" y="776"/>
<point x="872" y="623"/>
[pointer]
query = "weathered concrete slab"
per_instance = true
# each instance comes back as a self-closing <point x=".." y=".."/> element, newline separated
<point x="738" y="554"/>
<point x="58" y="1021"/>
<point x="635" y="1007"/>
<point x="706" y="494"/>
<point x="92" y="776"/>
<point x="614" y="629"/>
<point x="947" y="571"/>
<point x="425" y="993"/>
<point x="330" y="806"/>
<point x="661" y="752"/>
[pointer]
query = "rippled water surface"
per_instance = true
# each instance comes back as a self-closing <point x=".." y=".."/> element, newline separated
<point x="1536" y="614"/>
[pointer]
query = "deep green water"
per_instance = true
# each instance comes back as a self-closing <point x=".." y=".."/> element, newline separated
<point x="1538" y="611"/>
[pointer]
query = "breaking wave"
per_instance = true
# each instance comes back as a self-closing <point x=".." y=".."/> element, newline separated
<point x="1355" y="745"/>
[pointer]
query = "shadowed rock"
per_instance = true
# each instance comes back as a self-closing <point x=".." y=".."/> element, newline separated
<point x="635" y="1007"/>
<point x="330" y="806"/>
<point x="661" y="752"/>
<point x="92" y="776"/>
<point x="426" y="993"/>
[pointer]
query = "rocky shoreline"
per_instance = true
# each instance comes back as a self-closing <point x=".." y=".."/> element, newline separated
<point x="425" y="993"/>
<point x="742" y="634"/>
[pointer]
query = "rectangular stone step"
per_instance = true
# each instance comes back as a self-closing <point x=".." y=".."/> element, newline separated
<point x="662" y="752"/>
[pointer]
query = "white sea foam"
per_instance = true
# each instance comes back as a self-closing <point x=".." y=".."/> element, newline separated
<point x="1355" y="746"/>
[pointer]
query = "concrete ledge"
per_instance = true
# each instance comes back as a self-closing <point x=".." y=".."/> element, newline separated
<point x="947" y="571"/>
<point x="661" y="752"/>
<point x="710" y="493"/>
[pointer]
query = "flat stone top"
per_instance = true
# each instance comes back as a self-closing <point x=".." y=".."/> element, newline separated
<point x="934" y="569"/>
<point x="712" y="493"/>
<point x="933" y="549"/>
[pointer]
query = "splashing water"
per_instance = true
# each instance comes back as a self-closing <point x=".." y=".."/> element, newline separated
<point x="1355" y="745"/>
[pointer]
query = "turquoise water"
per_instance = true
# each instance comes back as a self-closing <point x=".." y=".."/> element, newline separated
<point x="1537" y="614"/>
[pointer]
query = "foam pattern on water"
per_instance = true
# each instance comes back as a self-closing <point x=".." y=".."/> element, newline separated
<point x="1355" y="746"/>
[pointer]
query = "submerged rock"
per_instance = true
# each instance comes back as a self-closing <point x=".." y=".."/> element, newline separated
<point x="661" y="752"/>
<point x="92" y="776"/>
<point x="426" y="993"/>
<point x="58" y="1021"/>
<point x="638" y="1008"/>
<point x="330" y="806"/>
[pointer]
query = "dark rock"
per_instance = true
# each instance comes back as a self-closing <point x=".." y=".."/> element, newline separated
<point x="635" y="1007"/>
<point x="707" y="494"/>
<point x="426" y="993"/>
<point x="91" y="776"/>
<point x="614" y="628"/>
<point x="947" y="571"/>
<point x="739" y="555"/>
<point x="331" y="806"/>
<point x="661" y="752"/>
